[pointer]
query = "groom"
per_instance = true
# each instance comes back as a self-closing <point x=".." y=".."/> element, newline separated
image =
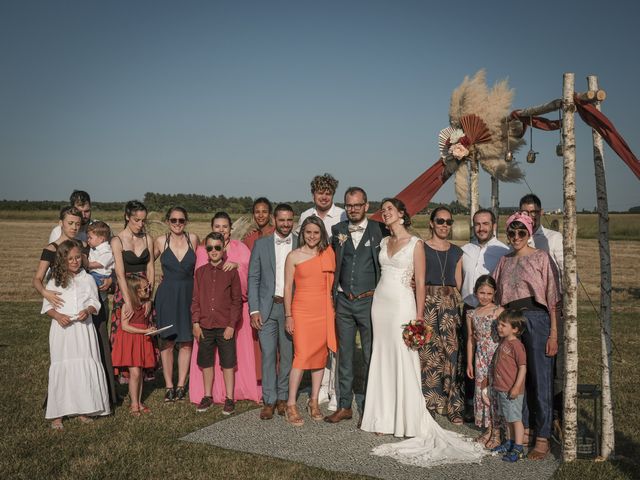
<point x="356" y="243"/>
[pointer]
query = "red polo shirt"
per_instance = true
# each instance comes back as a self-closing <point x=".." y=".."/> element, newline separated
<point x="217" y="297"/>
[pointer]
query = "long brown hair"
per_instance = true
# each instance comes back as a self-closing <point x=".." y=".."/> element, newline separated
<point x="60" y="269"/>
<point x="134" y="282"/>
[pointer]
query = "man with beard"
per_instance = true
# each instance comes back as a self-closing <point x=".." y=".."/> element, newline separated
<point x="480" y="257"/>
<point x="266" y="306"/>
<point x="356" y="243"/>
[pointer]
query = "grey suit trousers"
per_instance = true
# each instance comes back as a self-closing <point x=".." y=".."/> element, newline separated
<point x="274" y="339"/>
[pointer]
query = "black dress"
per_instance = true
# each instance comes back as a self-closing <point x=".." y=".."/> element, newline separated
<point x="173" y="297"/>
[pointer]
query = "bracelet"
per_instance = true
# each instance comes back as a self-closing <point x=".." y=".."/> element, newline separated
<point x="288" y="316"/>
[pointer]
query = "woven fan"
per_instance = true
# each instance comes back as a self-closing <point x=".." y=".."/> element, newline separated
<point x="475" y="129"/>
<point x="443" y="137"/>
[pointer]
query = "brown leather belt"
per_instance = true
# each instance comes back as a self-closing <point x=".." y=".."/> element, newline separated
<point x="353" y="297"/>
<point x="278" y="299"/>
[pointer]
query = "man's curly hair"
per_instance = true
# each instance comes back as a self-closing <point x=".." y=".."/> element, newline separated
<point x="324" y="182"/>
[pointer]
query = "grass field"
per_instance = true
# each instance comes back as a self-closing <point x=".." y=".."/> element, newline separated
<point x="124" y="447"/>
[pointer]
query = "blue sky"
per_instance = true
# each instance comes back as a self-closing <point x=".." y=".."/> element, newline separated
<point x="255" y="97"/>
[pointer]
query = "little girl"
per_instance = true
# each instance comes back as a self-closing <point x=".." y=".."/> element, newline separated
<point x="77" y="383"/>
<point x="131" y="347"/>
<point x="483" y="335"/>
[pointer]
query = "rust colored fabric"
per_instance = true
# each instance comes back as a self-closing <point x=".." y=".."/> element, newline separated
<point x="417" y="194"/>
<point x="601" y="124"/>
<point x="540" y="123"/>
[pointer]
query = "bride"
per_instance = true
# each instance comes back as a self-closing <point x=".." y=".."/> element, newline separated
<point x="395" y="404"/>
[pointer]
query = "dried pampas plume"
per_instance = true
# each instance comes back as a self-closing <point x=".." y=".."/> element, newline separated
<point x="473" y="97"/>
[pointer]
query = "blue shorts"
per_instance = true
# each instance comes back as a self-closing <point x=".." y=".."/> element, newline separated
<point x="510" y="410"/>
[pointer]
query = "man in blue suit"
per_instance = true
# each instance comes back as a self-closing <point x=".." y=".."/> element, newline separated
<point x="266" y="306"/>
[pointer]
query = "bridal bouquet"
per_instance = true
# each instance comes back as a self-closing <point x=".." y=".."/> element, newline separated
<point x="416" y="334"/>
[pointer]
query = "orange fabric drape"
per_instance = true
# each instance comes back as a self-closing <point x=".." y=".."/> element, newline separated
<point x="417" y="194"/>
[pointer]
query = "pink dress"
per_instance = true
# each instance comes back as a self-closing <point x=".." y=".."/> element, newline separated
<point x="247" y="386"/>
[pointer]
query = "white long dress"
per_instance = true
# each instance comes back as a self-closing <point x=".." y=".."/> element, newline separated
<point x="77" y="383"/>
<point x="395" y="404"/>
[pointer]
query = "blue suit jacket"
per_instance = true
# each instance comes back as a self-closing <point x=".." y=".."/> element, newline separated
<point x="261" y="284"/>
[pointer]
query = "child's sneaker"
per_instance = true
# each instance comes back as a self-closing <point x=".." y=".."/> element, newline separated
<point x="505" y="447"/>
<point x="204" y="404"/>
<point x="229" y="407"/>
<point x="516" y="453"/>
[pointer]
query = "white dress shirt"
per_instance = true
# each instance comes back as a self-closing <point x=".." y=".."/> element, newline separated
<point x="333" y="216"/>
<point x="282" y="250"/>
<point x="80" y="293"/>
<point x="551" y="242"/>
<point x="478" y="260"/>
<point x="357" y="235"/>
<point x="104" y="256"/>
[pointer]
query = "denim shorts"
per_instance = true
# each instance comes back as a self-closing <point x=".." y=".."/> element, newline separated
<point x="510" y="410"/>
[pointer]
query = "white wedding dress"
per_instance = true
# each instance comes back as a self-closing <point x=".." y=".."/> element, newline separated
<point x="394" y="402"/>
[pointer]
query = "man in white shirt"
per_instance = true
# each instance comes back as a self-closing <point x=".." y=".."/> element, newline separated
<point x="551" y="242"/>
<point x="265" y="291"/>
<point x="323" y="189"/>
<point x="480" y="257"/>
<point x="82" y="201"/>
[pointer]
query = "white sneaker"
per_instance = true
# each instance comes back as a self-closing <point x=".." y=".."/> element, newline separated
<point x="323" y="396"/>
<point x="333" y="404"/>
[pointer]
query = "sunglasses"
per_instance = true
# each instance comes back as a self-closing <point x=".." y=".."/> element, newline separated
<point x="442" y="221"/>
<point x="181" y="221"/>
<point x="519" y="233"/>
<point x="217" y="248"/>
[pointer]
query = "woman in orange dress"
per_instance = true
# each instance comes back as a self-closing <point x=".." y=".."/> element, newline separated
<point x="309" y="313"/>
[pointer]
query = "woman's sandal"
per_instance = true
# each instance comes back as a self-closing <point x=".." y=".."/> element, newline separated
<point x="493" y="441"/>
<point x="144" y="408"/>
<point x="457" y="421"/>
<point x="537" y="453"/>
<point x="134" y="410"/>
<point x="292" y="415"/>
<point x="84" y="419"/>
<point x="484" y="437"/>
<point x="57" y="425"/>
<point x="314" y="410"/>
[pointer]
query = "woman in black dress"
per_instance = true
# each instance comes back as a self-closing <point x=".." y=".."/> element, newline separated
<point x="176" y="250"/>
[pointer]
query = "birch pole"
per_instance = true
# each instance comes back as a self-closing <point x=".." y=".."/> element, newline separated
<point x="569" y="277"/>
<point x="473" y="191"/>
<point x="608" y="439"/>
<point x="495" y="200"/>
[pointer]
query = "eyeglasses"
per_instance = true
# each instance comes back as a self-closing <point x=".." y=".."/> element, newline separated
<point x="217" y="248"/>
<point x="530" y="213"/>
<point x="520" y="233"/>
<point x="442" y="221"/>
<point x="354" y="206"/>
<point x="146" y="288"/>
<point x="181" y="221"/>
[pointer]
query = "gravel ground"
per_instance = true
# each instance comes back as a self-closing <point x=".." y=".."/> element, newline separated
<point x="344" y="448"/>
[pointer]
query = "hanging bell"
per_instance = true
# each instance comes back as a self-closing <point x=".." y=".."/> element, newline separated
<point x="531" y="156"/>
<point x="508" y="156"/>
<point x="559" y="150"/>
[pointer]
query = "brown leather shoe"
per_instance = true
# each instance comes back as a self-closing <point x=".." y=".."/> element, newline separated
<point x="281" y="406"/>
<point x="267" y="412"/>
<point x="339" y="415"/>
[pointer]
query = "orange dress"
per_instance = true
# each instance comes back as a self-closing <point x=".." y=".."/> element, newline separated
<point x="314" y="329"/>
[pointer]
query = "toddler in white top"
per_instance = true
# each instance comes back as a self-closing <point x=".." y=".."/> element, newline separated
<point x="101" y="262"/>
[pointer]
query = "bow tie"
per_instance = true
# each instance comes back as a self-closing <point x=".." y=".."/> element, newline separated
<point x="356" y="228"/>
<point x="283" y="241"/>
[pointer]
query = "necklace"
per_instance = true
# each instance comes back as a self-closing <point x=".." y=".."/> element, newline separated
<point x="442" y="267"/>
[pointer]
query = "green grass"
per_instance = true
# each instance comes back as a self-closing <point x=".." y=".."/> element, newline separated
<point x="149" y="447"/>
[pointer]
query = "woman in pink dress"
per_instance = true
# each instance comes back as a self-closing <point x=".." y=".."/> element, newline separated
<point x="247" y="386"/>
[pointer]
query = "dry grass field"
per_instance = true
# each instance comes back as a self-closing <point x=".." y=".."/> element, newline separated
<point x="119" y="447"/>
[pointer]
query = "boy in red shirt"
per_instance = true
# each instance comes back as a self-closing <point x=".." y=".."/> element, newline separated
<point x="216" y="310"/>
<point x="509" y="372"/>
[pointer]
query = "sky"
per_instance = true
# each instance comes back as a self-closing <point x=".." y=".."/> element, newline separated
<point x="253" y="98"/>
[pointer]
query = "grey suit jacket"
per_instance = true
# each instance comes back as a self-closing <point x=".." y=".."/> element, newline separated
<point x="373" y="234"/>
<point x="261" y="283"/>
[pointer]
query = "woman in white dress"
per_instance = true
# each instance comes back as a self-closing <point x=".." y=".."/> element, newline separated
<point x="77" y="382"/>
<point x="395" y="404"/>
